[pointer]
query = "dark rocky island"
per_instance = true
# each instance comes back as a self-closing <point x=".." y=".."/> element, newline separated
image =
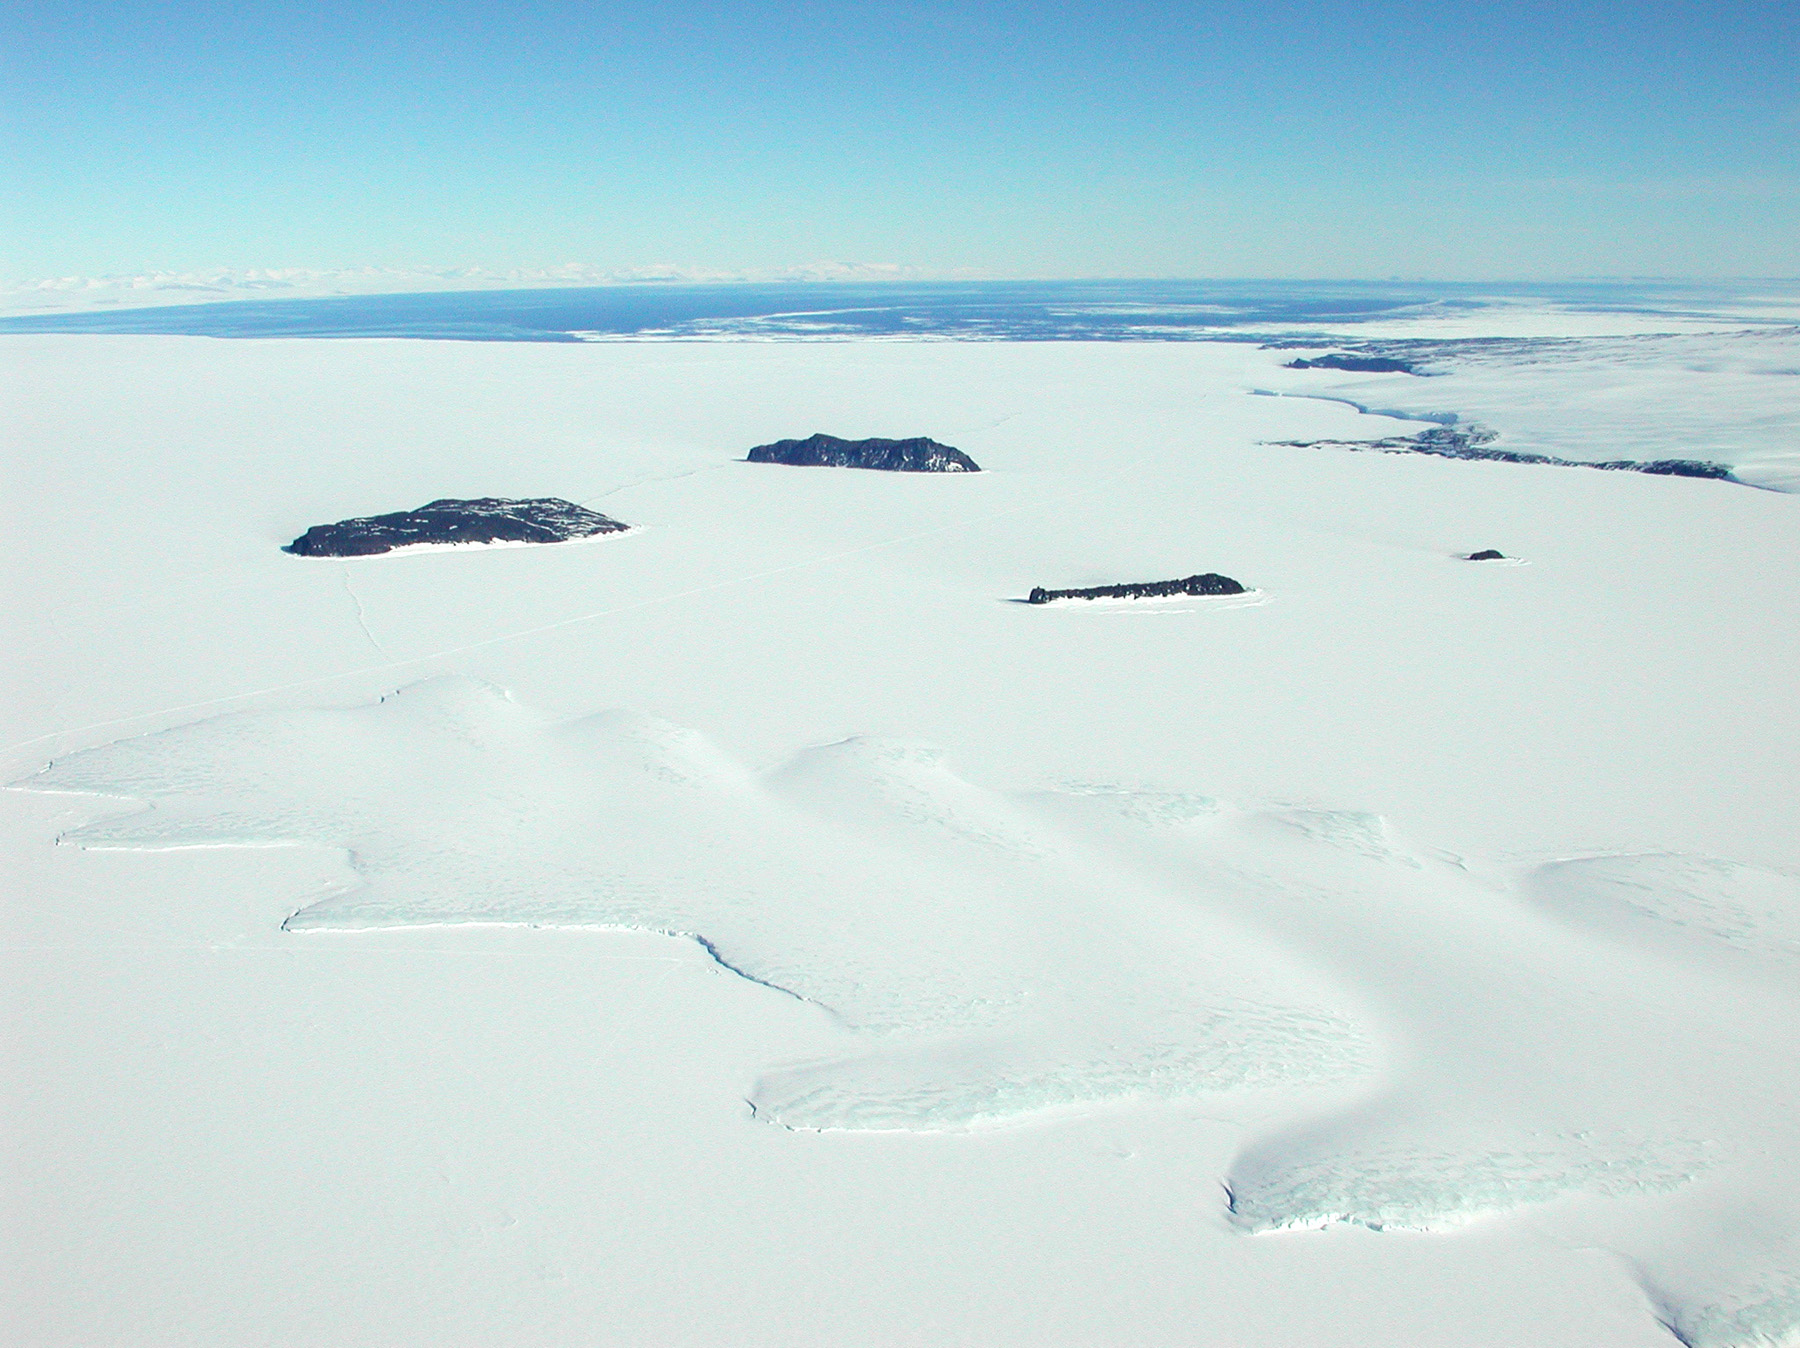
<point x="1471" y="442"/>
<point x="486" y="520"/>
<point x="1210" y="583"/>
<point x="1486" y="555"/>
<point x="1356" y="364"/>
<point x="917" y="455"/>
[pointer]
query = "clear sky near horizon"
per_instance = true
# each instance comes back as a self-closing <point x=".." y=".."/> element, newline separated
<point x="1461" y="140"/>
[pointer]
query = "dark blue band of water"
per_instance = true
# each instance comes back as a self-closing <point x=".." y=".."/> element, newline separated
<point x="973" y="310"/>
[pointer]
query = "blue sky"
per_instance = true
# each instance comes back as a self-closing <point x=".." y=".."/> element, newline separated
<point x="1458" y="141"/>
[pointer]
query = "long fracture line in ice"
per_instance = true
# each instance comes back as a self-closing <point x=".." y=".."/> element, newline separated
<point x="362" y="617"/>
<point x="647" y="481"/>
<point x="524" y="632"/>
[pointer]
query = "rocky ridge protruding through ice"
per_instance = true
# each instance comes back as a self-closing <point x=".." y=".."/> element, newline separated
<point x="1209" y="583"/>
<point x="917" y="455"/>
<point x="447" y="522"/>
<point x="1473" y="442"/>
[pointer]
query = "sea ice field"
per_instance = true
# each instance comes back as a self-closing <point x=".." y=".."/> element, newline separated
<point x="763" y="926"/>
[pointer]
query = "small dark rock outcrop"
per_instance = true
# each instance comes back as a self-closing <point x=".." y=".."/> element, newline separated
<point x="1356" y="364"/>
<point x="1210" y="583"/>
<point x="917" y="455"/>
<point x="1486" y="555"/>
<point x="486" y="520"/>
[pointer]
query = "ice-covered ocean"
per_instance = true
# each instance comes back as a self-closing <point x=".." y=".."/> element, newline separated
<point x="972" y="310"/>
<point x="763" y="928"/>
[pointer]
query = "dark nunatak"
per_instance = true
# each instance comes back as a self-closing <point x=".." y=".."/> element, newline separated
<point x="487" y="519"/>
<point x="1210" y="583"/>
<point x="917" y="455"/>
<point x="1486" y="555"/>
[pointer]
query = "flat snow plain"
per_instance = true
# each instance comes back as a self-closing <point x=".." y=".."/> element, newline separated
<point x="764" y="928"/>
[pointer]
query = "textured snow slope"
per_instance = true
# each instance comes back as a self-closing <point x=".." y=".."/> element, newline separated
<point x="772" y="930"/>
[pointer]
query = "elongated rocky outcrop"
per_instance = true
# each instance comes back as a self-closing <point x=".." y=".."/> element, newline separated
<point x="1471" y="441"/>
<point x="1356" y="364"/>
<point x="487" y="519"/>
<point x="917" y="455"/>
<point x="1210" y="583"/>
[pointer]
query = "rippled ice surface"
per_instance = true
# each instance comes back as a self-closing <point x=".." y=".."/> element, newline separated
<point x="997" y="954"/>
